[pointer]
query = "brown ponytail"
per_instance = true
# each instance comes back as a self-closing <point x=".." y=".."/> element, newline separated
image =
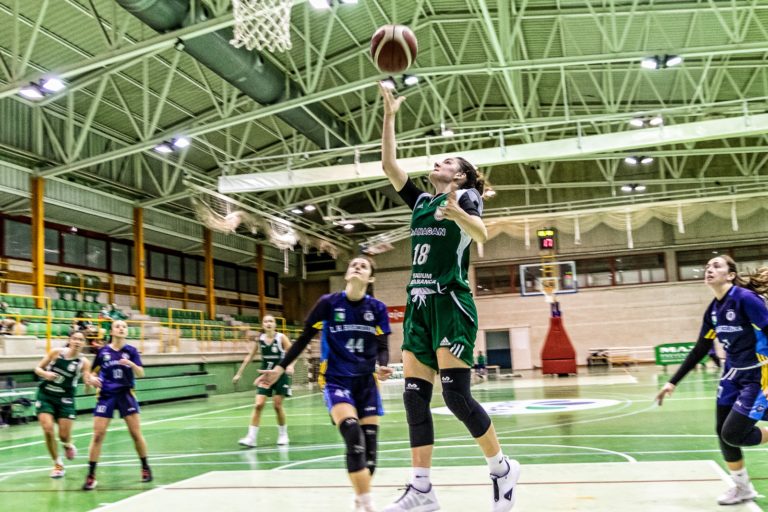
<point x="757" y="282"/>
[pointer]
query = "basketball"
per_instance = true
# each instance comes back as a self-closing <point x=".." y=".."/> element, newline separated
<point x="393" y="48"/>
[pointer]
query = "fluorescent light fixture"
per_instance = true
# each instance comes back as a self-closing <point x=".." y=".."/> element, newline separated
<point x="349" y="227"/>
<point x="410" y="80"/>
<point x="445" y="131"/>
<point x="163" y="148"/>
<point x="637" y="122"/>
<point x="181" y="142"/>
<point x="626" y="188"/>
<point x="656" y="121"/>
<point x="645" y="160"/>
<point x="348" y="1"/>
<point x="320" y="4"/>
<point x="31" y="92"/>
<point x="53" y="84"/>
<point x="388" y="83"/>
<point x="639" y="188"/>
<point x="297" y="211"/>
<point x="650" y="63"/>
<point x="672" y="60"/>
<point x="631" y="160"/>
<point x="309" y="208"/>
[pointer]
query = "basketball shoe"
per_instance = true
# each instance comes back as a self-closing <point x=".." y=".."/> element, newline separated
<point x="414" y="500"/>
<point x="57" y="471"/>
<point x="504" y="487"/>
<point x="737" y="494"/>
<point x="70" y="452"/>
<point x="247" y="441"/>
<point x="90" y="483"/>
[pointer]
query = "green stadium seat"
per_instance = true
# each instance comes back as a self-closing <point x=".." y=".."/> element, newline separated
<point x="68" y="284"/>
<point x="94" y="285"/>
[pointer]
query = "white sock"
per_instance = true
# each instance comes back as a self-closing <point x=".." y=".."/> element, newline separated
<point x="740" y="477"/>
<point x="364" y="499"/>
<point x="59" y="461"/>
<point x="497" y="465"/>
<point x="282" y="430"/>
<point x="253" y="432"/>
<point x="420" y="479"/>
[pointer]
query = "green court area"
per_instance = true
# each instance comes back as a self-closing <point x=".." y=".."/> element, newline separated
<point x="559" y="423"/>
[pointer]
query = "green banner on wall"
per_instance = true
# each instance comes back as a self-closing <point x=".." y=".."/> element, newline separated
<point x="672" y="353"/>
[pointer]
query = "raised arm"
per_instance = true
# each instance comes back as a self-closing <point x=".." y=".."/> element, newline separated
<point x="396" y="175"/>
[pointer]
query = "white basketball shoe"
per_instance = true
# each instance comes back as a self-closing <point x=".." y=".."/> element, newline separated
<point x="504" y="487"/>
<point x="414" y="500"/>
<point x="247" y="441"/>
<point x="737" y="494"/>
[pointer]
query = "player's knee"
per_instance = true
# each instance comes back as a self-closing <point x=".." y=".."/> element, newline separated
<point x="416" y="398"/>
<point x="370" y="432"/>
<point x="458" y="399"/>
<point x="48" y="429"/>
<point x="353" y="438"/>
<point x="259" y="407"/>
<point x="751" y="436"/>
<point x="98" y="436"/>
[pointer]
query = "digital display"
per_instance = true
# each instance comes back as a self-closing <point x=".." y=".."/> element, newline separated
<point x="546" y="239"/>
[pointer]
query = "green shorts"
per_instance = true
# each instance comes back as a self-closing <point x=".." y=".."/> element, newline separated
<point x="57" y="406"/>
<point x="436" y="321"/>
<point x="281" y="387"/>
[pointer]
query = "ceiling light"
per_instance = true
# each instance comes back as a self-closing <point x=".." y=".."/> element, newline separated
<point x="650" y="63"/>
<point x="164" y="148"/>
<point x="348" y="1"/>
<point x="631" y="160"/>
<point x="181" y="142"/>
<point x="637" y="122"/>
<point x="52" y="84"/>
<point x="31" y="92"/>
<point x="349" y="227"/>
<point x="672" y="60"/>
<point x="656" y="121"/>
<point x="320" y="4"/>
<point x="389" y="83"/>
<point x="410" y="80"/>
<point x="297" y="211"/>
<point x="309" y="208"/>
<point x="445" y="131"/>
<point x="626" y="188"/>
<point x="639" y="188"/>
<point x="645" y="160"/>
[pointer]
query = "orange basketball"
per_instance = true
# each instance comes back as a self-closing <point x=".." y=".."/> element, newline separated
<point x="393" y="48"/>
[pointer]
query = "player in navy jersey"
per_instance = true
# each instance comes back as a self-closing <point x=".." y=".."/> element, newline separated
<point x="738" y="318"/>
<point x="355" y="327"/>
<point x="441" y="318"/>
<point x="114" y="370"/>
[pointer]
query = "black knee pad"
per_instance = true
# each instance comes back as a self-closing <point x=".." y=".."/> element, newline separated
<point x="416" y="398"/>
<point x="353" y="438"/>
<point x="370" y="432"/>
<point x="740" y="430"/>
<point x="459" y="400"/>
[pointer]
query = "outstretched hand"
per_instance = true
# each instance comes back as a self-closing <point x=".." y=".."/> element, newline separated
<point x="268" y="377"/>
<point x="664" y="392"/>
<point x="391" y="104"/>
<point x="452" y="210"/>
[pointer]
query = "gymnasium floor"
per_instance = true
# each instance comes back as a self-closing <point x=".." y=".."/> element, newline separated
<point x="594" y="442"/>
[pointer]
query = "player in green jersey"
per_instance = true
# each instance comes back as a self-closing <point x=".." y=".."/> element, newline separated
<point x="60" y="371"/>
<point x="441" y="319"/>
<point x="272" y="345"/>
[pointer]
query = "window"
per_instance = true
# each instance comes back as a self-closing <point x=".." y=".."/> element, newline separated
<point x="640" y="268"/>
<point x="173" y="267"/>
<point x="18" y="239"/>
<point x="247" y="280"/>
<point x="194" y="270"/>
<point x="96" y="253"/>
<point x="121" y="258"/>
<point x="493" y="280"/>
<point x="271" y="285"/>
<point x="224" y="277"/>
<point x="84" y="252"/>
<point x="156" y="265"/>
<point x="749" y="259"/>
<point x="597" y="272"/>
<point x="51" y="246"/>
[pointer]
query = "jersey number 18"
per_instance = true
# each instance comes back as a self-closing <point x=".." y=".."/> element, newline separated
<point x="420" y="254"/>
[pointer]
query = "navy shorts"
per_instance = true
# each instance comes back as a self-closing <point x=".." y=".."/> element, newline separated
<point x="361" y="392"/>
<point x="125" y="403"/>
<point x="744" y="394"/>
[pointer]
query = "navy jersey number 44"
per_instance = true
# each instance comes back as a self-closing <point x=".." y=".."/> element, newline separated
<point x="349" y="333"/>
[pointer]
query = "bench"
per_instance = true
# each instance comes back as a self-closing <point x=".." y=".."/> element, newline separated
<point x="619" y="356"/>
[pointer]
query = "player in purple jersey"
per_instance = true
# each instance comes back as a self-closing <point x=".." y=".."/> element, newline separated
<point x="114" y="369"/>
<point x="738" y="318"/>
<point x="355" y="328"/>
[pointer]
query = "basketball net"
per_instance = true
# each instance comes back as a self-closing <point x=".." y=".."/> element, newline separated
<point x="262" y="24"/>
<point x="549" y="287"/>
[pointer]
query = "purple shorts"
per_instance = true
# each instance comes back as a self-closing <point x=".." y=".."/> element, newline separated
<point x="743" y="393"/>
<point x="125" y="402"/>
<point x="361" y="392"/>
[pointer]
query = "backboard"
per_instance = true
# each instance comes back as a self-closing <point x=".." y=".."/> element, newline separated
<point x="553" y="277"/>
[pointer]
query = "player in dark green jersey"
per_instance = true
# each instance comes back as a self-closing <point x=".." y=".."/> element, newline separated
<point x="272" y="345"/>
<point x="60" y="371"/>
<point x="440" y="319"/>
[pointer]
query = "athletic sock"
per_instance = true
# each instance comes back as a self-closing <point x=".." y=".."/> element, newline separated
<point x="92" y="468"/>
<point x="253" y="431"/>
<point x="144" y="464"/>
<point x="364" y="499"/>
<point x="420" y="479"/>
<point x="282" y="429"/>
<point x="59" y="461"/>
<point x="497" y="465"/>
<point x="740" y="477"/>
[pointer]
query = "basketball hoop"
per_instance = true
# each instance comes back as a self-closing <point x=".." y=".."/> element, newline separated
<point x="262" y="24"/>
<point x="549" y="287"/>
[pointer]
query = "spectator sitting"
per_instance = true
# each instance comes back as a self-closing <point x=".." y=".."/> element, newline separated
<point x="116" y="314"/>
<point x="7" y="324"/>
